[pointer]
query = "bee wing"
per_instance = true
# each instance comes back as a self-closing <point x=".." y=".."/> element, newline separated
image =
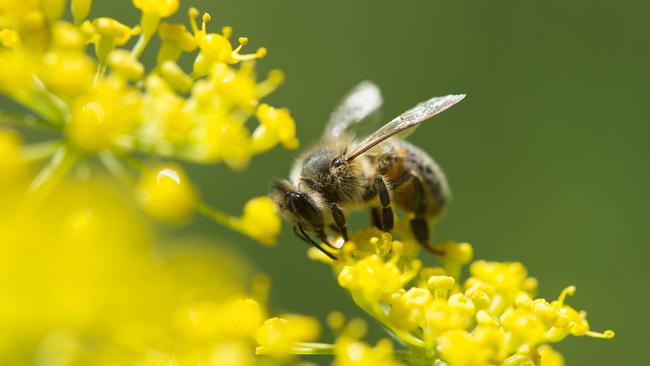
<point x="358" y="110"/>
<point x="405" y="121"/>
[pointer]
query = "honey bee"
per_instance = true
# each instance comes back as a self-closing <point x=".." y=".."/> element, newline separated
<point x="341" y="172"/>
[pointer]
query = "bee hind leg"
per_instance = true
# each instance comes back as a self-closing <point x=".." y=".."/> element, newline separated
<point x="419" y="225"/>
<point x="375" y="217"/>
<point x="300" y="233"/>
<point x="387" y="217"/>
<point x="420" y="229"/>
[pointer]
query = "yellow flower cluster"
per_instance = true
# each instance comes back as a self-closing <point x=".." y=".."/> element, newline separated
<point x="283" y="338"/>
<point x="491" y="318"/>
<point x="111" y="106"/>
<point x="91" y="286"/>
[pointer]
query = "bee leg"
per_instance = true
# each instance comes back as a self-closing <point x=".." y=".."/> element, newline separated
<point x="420" y="229"/>
<point x="300" y="232"/>
<point x="375" y="216"/>
<point x="384" y="198"/>
<point x="419" y="224"/>
<point x="339" y="220"/>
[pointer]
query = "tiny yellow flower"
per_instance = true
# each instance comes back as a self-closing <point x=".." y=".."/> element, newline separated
<point x="276" y="125"/>
<point x="175" y="77"/>
<point x="98" y="120"/>
<point x="107" y="33"/>
<point x="177" y="39"/>
<point x="506" y="277"/>
<point x="53" y="9"/>
<point x="126" y="65"/>
<point x="166" y="193"/>
<point x="277" y="336"/>
<point x="407" y="307"/>
<point x="440" y="285"/>
<point x="351" y="352"/>
<point x="222" y="138"/>
<point x="112" y="29"/>
<point x="458" y="348"/>
<point x="66" y="36"/>
<point x="67" y="72"/>
<point x="238" y="86"/>
<point x="371" y="277"/>
<point x="260" y="220"/>
<point x="80" y="9"/>
<point x="550" y="357"/>
<point x="9" y="38"/>
<point x="17" y="69"/>
<point x="237" y="317"/>
<point x="160" y="8"/>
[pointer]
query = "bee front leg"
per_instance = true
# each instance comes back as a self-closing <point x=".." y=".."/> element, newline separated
<point x="300" y="233"/>
<point x="339" y="220"/>
<point x="387" y="218"/>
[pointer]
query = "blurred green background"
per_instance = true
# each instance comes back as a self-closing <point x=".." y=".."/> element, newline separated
<point x="547" y="157"/>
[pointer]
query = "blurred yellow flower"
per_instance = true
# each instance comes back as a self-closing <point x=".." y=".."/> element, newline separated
<point x="113" y="107"/>
<point x="86" y="289"/>
<point x="351" y="352"/>
<point x="11" y="162"/>
<point x="276" y="126"/>
<point x="278" y="335"/>
<point x="260" y="220"/>
<point x="165" y="193"/>
<point x="161" y="8"/>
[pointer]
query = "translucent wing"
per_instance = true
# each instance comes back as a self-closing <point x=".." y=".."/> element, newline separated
<point x="406" y="120"/>
<point x="358" y="109"/>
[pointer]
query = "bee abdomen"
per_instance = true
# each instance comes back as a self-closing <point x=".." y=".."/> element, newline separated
<point x="421" y="186"/>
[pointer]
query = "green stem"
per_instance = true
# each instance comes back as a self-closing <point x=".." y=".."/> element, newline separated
<point x="52" y="174"/>
<point x="139" y="47"/>
<point x="41" y="150"/>
<point x="20" y="120"/>
<point x="115" y="166"/>
<point x="52" y="108"/>
<point x="149" y="24"/>
<point x="308" y="348"/>
<point x="219" y="216"/>
<point x="402" y="354"/>
<point x="376" y="313"/>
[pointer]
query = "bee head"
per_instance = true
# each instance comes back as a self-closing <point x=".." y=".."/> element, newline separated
<point x="295" y="205"/>
<point x="327" y="171"/>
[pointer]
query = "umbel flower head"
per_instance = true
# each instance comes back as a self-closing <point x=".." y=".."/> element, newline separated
<point x="84" y="80"/>
<point x="490" y="318"/>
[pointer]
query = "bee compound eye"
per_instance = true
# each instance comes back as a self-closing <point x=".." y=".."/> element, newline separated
<point x="337" y="162"/>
